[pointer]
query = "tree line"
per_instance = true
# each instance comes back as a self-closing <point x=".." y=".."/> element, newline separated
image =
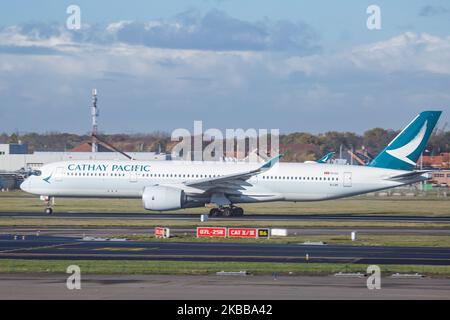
<point x="298" y="146"/>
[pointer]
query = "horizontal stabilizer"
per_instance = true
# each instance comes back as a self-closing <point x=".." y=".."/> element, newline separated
<point x="413" y="175"/>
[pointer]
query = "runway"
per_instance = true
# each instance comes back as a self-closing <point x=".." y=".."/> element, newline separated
<point x="246" y="217"/>
<point x="175" y="287"/>
<point x="69" y="248"/>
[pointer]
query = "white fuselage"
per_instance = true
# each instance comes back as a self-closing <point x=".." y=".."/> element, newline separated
<point x="282" y="182"/>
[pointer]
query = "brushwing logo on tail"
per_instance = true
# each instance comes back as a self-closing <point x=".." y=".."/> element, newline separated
<point x="402" y="153"/>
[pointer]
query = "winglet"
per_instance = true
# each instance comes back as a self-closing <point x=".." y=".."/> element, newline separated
<point x="269" y="164"/>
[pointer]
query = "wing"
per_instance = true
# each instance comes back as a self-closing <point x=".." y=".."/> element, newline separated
<point x="231" y="181"/>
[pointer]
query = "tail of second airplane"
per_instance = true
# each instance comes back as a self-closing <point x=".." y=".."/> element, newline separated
<point x="403" y="152"/>
<point x="326" y="157"/>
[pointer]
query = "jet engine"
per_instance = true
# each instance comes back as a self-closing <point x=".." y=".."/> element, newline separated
<point x="161" y="198"/>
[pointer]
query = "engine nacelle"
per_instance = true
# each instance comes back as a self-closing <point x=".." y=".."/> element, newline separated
<point x="160" y="198"/>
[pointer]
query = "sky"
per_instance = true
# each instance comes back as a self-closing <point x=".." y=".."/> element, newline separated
<point x="310" y="66"/>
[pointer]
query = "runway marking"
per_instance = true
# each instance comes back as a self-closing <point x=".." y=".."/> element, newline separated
<point x="40" y="247"/>
<point x="123" y="249"/>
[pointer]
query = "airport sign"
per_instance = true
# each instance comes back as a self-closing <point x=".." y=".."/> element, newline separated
<point x="263" y="233"/>
<point x="242" y="233"/>
<point x="162" y="232"/>
<point x="211" y="232"/>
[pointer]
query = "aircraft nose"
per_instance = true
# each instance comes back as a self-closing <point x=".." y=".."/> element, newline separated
<point x="25" y="185"/>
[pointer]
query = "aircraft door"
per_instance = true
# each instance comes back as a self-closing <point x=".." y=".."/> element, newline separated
<point x="133" y="177"/>
<point x="347" y="179"/>
<point x="59" y="173"/>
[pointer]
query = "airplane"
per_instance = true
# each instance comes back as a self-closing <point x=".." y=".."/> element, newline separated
<point x="171" y="185"/>
<point x="324" y="159"/>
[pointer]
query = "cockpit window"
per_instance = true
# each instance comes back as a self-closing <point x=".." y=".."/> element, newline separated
<point x="36" y="172"/>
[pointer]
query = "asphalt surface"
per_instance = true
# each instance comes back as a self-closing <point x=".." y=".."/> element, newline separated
<point x="48" y="247"/>
<point x="169" y="287"/>
<point x="246" y="217"/>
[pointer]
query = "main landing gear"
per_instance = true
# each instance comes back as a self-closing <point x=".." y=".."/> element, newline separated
<point x="231" y="211"/>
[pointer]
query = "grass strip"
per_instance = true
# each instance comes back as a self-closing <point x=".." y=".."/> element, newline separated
<point x="204" y="268"/>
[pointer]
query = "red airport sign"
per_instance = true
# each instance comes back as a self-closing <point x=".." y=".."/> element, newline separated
<point x="211" y="232"/>
<point x="242" y="233"/>
<point x="162" y="232"/>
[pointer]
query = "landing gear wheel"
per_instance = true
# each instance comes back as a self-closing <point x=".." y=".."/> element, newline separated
<point x="227" y="212"/>
<point x="238" y="212"/>
<point x="48" y="211"/>
<point x="214" y="212"/>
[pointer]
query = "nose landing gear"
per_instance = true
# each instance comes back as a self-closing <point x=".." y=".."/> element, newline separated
<point x="49" y="202"/>
<point x="230" y="211"/>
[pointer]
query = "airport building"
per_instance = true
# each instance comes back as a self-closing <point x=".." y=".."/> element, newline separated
<point x="15" y="157"/>
<point x="441" y="178"/>
<point x="441" y="161"/>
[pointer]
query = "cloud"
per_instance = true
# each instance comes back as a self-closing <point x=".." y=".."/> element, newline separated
<point x="218" y="31"/>
<point x="33" y="50"/>
<point x="163" y="74"/>
<point x="408" y="52"/>
<point x="214" y="31"/>
<point x="431" y="11"/>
